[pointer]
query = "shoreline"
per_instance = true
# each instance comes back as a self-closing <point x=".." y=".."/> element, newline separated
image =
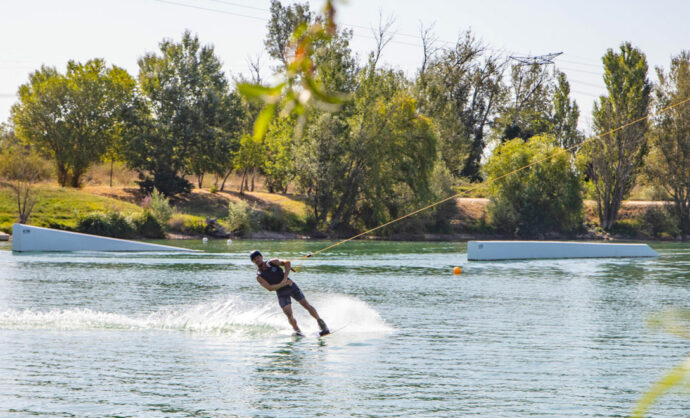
<point x="277" y="236"/>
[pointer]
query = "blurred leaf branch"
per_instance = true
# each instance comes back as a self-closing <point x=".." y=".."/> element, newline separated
<point x="299" y="88"/>
<point x="676" y="322"/>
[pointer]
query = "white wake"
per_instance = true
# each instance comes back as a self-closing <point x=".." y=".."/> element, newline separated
<point x="230" y="316"/>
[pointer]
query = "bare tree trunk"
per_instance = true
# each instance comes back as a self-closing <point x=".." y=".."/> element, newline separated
<point x="76" y="177"/>
<point x="244" y="175"/>
<point x="62" y="175"/>
<point x="253" y="177"/>
<point x="200" y="180"/>
<point x="112" y="162"/>
<point x="222" y="185"/>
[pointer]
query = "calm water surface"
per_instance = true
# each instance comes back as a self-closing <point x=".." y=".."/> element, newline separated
<point x="96" y="334"/>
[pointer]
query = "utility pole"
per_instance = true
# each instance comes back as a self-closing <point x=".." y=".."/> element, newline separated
<point x="536" y="59"/>
<point x="533" y="60"/>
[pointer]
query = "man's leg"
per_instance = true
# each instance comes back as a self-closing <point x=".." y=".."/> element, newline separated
<point x="287" y="309"/>
<point x="309" y="308"/>
<point x="312" y="312"/>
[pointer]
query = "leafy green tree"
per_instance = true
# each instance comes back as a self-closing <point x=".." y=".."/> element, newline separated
<point x="321" y="162"/>
<point x="249" y="159"/>
<point x="668" y="163"/>
<point x="371" y="160"/>
<point x="278" y="165"/>
<point x="298" y="89"/>
<point x="401" y="152"/>
<point x="547" y="197"/>
<point x="616" y="157"/>
<point x="283" y="23"/>
<point x="7" y="137"/>
<point x="528" y="112"/>
<point x="460" y="88"/>
<point x="73" y="118"/>
<point x="191" y="120"/>
<point x="565" y="114"/>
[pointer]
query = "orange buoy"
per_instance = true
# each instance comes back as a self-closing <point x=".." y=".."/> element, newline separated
<point x="457" y="271"/>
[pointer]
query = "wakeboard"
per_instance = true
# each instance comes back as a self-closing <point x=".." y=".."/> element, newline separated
<point x="332" y="332"/>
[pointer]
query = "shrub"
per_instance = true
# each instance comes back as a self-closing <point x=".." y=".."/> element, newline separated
<point x="148" y="226"/>
<point x="187" y="224"/>
<point x="53" y="224"/>
<point x="629" y="228"/>
<point x="659" y="222"/>
<point x="240" y="217"/>
<point x="213" y="189"/>
<point x="168" y="183"/>
<point x="160" y="207"/>
<point x="111" y="224"/>
<point x="547" y="197"/>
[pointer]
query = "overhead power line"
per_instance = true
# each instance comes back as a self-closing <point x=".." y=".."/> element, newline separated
<point x="208" y="9"/>
<point x="367" y="28"/>
<point x="545" y="59"/>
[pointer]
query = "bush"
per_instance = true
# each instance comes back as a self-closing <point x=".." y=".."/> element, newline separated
<point x="148" y="226"/>
<point x="629" y="228"/>
<point x="187" y="224"/>
<point x="53" y="224"/>
<point x="240" y="217"/>
<point x="111" y="224"/>
<point x="546" y="197"/>
<point x="214" y="189"/>
<point x="170" y="184"/>
<point x="160" y="207"/>
<point x="659" y="222"/>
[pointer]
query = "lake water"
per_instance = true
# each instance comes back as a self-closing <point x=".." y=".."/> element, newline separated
<point x="97" y="334"/>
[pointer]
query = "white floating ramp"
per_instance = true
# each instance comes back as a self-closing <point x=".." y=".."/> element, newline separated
<point x="525" y="250"/>
<point x="33" y="238"/>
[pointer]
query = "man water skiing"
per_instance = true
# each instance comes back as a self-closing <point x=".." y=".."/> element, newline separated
<point x="273" y="278"/>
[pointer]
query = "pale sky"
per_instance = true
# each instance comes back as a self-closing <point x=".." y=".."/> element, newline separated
<point x="36" y="32"/>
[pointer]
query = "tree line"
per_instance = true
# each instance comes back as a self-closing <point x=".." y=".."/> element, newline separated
<point x="375" y="143"/>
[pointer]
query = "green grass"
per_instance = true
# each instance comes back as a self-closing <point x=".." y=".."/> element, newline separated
<point x="59" y="206"/>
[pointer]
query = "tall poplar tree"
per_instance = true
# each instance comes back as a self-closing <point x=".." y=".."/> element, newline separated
<point x="669" y="162"/>
<point x="616" y="157"/>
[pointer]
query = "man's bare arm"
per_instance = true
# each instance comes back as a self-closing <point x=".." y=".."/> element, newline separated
<point x="284" y="263"/>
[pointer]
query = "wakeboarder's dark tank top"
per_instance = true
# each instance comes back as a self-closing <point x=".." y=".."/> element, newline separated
<point x="272" y="274"/>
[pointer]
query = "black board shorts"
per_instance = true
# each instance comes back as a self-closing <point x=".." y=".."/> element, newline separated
<point x="286" y="292"/>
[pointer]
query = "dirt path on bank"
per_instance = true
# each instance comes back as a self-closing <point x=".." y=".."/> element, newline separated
<point x="476" y="207"/>
<point x="470" y="208"/>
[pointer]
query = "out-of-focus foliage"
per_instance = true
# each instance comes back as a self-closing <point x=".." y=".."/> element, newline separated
<point x="676" y="322"/>
<point x="300" y="88"/>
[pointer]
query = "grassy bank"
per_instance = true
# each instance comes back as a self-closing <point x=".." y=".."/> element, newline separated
<point x="275" y="213"/>
<point x="63" y="207"/>
<point x="60" y="207"/>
